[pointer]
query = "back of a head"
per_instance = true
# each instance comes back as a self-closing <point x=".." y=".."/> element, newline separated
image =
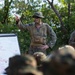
<point x="29" y="70"/>
<point x="48" y="69"/>
<point x="40" y="57"/>
<point x="17" y="62"/>
<point x="63" y="60"/>
<point x="68" y="54"/>
<point x="30" y="60"/>
<point x="67" y="49"/>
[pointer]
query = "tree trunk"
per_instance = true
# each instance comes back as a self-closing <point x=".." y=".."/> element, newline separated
<point x="59" y="16"/>
<point x="69" y="10"/>
<point x="6" y="11"/>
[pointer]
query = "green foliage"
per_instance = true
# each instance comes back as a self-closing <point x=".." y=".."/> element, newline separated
<point x="66" y="1"/>
<point x="69" y="1"/>
<point x="26" y="10"/>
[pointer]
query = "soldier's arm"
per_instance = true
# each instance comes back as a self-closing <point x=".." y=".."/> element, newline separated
<point x="52" y="36"/>
<point x="21" y="25"/>
<point x="72" y="39"/>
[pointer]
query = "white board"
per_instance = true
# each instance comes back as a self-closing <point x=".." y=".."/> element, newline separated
<point x="9" y="47"/>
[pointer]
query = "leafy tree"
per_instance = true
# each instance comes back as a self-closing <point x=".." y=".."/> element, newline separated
<point x="58" y="17"/>
<point x="5" y="11"/>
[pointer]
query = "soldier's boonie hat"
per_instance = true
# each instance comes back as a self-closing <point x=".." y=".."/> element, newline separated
<point x="38" y="14"/>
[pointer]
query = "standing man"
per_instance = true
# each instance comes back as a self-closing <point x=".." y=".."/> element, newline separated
<point x="39" y="32"/>
<point x="72" y="39"/>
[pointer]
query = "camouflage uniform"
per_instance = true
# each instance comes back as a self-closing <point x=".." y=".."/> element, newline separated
<point x="39" y="36"/>
<point x="72" y="39"/>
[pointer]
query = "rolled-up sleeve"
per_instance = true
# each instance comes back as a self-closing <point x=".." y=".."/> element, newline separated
<point x="52" y="36"/>
<point x="22" y="26"/>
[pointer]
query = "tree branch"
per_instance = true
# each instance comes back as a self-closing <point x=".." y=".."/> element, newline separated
<point x="52" y="1"/>
<point x="58" y="15"/>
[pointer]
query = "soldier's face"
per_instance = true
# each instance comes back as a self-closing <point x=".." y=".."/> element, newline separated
<point x="37" y="20"/>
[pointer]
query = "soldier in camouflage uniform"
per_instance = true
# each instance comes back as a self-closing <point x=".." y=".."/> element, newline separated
<point x="38" y="31"/>
<point x="72" y="39"/>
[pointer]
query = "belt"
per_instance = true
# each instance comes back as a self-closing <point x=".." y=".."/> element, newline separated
<point x="36" y="45"/>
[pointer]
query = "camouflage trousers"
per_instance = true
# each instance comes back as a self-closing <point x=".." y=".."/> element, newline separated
<point x="32" y="50"/>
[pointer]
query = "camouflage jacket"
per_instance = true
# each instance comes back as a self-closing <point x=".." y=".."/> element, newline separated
<point x="72" y="39"/>
<point x="39" y="36"/>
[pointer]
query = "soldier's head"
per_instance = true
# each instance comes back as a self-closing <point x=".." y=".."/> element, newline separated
<point x="15" y="63"/>
<point x="40" y="57"/>
<point x="30" y="60"/>
<point x="29" y="71"/>
<point x="63" y="60"/>
<point x="37" y="17"/>
<point x="18" y="62"/>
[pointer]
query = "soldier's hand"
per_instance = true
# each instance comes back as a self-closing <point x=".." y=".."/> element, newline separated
<point x="17" y="18"/>
<point x="44" y="47"/>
